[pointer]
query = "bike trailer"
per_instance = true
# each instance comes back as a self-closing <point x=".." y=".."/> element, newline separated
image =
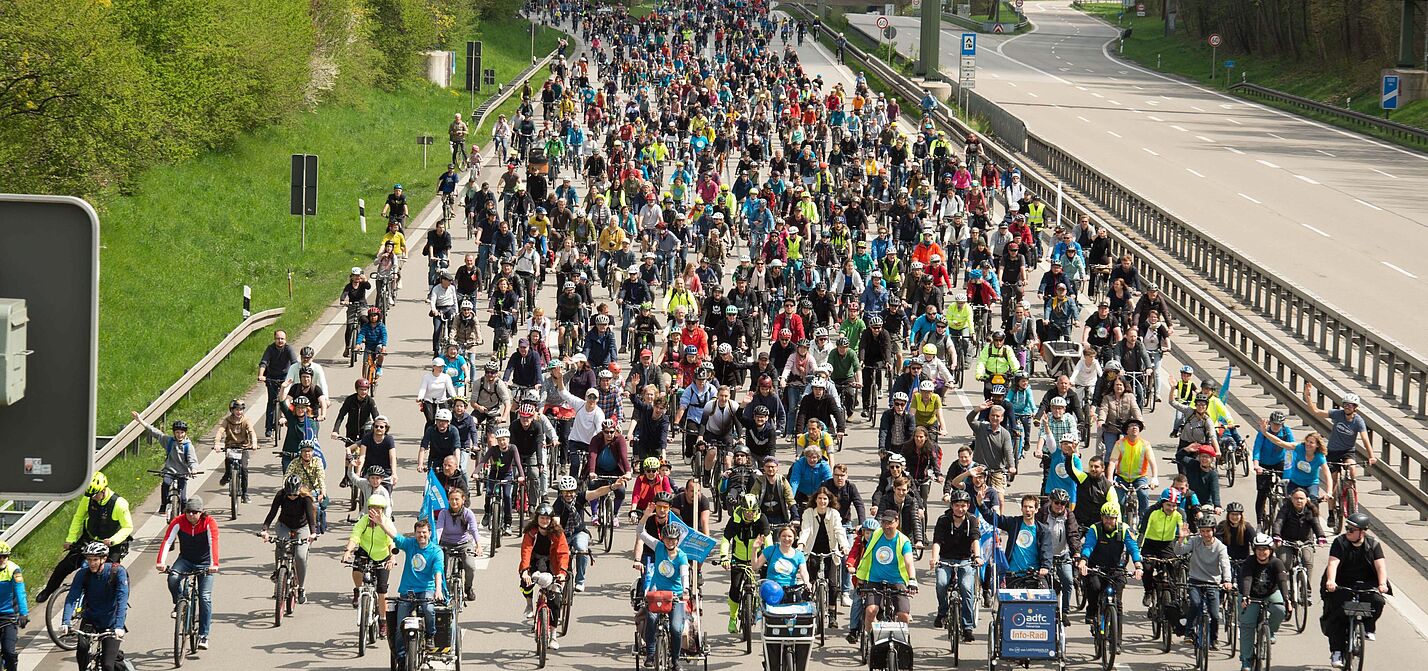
<point x="1063" y="349"/>
<point x="890" y="638"/>
<point x="790" y="624"/>
<point x="1028" y="626"/>
<point x="538" y="163"/>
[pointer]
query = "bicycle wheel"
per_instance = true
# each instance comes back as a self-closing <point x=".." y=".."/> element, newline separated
<point x="1244" y="462"/>
<point x="607" y="522"/>
<point x="746" y="620"/>
<point x="1262" y="646"/>
<point x="1301" y="598"/>
<point x="820" y="609"/>
<point x="1230" y="458"/>
<point x="569" y="595"/>
<point x="364" y="622"/>
<point x="233" y="494"/>
<point x="414" y="652"/>
<point x="1202" y="643"/>
<point x="180" y="636"/>
<point x="1098" y="637"/>
<point x="662" y="658"/>
<point x="1163" y="617"/>
<point x="352" y="347"/>
<point x="542" y="634"/>
<point x="992" y="633"/>
<point x="1354" y="655"/>
<point x="865" y="645"/>
<point x="280" y="596"/>
<point x="1231" y="620"/>
<point x="54" y="610"/>
<point x="953" y="619"/>
<point x="1113" y="638"/>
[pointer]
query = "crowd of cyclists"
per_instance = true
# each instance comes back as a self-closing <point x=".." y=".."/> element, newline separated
<point x="758" y="260"/>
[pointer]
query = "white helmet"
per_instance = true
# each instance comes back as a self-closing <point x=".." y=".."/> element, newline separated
<point x="1350" y="398"/>
<point x="443" y="414"/>
<point x="542" y="579"/>
<point x="566" y="483"/>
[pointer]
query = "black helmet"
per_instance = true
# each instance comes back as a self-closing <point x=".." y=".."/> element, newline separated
<point x="1277" y="417"/>
<point x="1060" y="496"/>
<point x="1235" y="507"/>
<point x="743" y="449"/>
<point x="545" y="510"/>
<point x="999" y="335"/>
<point x="180" y="425"/>
<point x="292" y="485"/>
<point x="664" y="497"/>
<point x="305" y="370"/>
<point x="1357" y="521"/>
<point x="960" y="495"/>
<point x="307" y="352"/>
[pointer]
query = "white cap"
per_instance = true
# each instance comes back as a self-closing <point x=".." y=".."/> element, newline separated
<point x="438" y="361"/>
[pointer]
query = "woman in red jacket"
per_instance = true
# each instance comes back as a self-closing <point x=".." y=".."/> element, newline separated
<point x="544" y="551"/>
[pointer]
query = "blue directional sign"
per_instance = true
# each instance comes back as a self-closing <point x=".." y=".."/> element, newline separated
<point x="1390" y="92"/>
<point x="1229" y="65"/>
<point x="969" y="44"/>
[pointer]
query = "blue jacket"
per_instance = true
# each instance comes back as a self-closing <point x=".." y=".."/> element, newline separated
<point x="106" y="596"/>
<point x="12" y="590"/>
<point x="807" y="479"/>
<point x="372" y="334"/>
<point x="600" y="350"/>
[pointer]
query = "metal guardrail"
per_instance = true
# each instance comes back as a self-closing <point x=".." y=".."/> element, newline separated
<point x="1403" y="459"/>
<point x="1393" y="129"/>
<point x="37" y="512"/>
<point x="489" y="105"/>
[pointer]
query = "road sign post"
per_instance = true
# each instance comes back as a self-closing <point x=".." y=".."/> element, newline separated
<point x="424" y="141"/>
<point x="1389" y="99"/>
<point x="1229" y="68"/>
<point x="303" y="195"/>
<point x="967" y="70"/>
<point x="1215" y="42"/>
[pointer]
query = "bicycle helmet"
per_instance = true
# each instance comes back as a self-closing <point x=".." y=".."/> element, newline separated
<point x="492" y="366"/>
<point x="545" y="510"/>
<point x="960" y="496"/>
<point x="820" y="332"/>
<point x="900" y="396"/>
<point x="929" y="349"/>
<point x="650" y="464"/>
<point x="4" y="549"/>
<point x="999" y="335"/>
<point x="804" y="343"/>
<point x="97" y="484"/>
<point x="805" y="303"/>
<point x="870" y="524"/>
<point x="307" y="353"/>
<point x="1207" y="522"/>
<point x="531" y="396"/>
<point x="465" y="305"/>
<point x="180" y="425"/>
<point x="305" y="370"/>
<point x="1170" y="494"/>
<point x="1058" y="402"/>
<point x="762" y="411"/>
<point x="664" y="497"/>
<point x="691" y="350"/>
<point x="875" y="321"/>
<point x="726" y="348"/>
<point x="1350" y="399"/>
<point x="292" y="485"/>
<point x="377" y="500"/>
<point x="1277" y="417"/>
<point x="1202" y="398"/>
<point x="95" y="549"/>
<point x="1110" y="509"/>
<point x="843" y="341"/>
<point x="742" y="450"/>
<point x="566" y="483"/>
<point x="374" y="469"/>
<point x="307" y="445"/>
<point x="897" y="459"/>
<point x="602" y="320"/>
<point x="747" y="503"/>
<point x="1262" y="540"/>
<point x="1357" y="521"/>
<point x="1060" y="496"/>
<point x="1114" y="365"/>
<point x="1187" y="369"/>
<point x="1235" y="507"/>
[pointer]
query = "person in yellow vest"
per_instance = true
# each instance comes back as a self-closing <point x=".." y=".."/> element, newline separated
<point x="14" y="606"/>
<point x="996" y="358"/>
<point x="1183" y="391"/>
<point x="1036" y="218"/>
<point x="1132" y="465"/>
<point x="888" y="562"/>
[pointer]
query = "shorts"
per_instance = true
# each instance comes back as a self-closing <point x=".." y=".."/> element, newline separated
<point x="901" y="602"/>
<point x="380" y="572"/>
<point x="1336" y="460"/>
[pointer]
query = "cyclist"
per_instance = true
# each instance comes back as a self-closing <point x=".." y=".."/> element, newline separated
<point x="102" y="518"/>
<point x="456" y="529"/>
<point x="956" y="537"/>
<point x="14" y="609"/>
<point x="180" y="459"/>
<point x="786" y="565"/>
<point x="744" y="536"/>
<point x="1297" y="522"/>
<point x="1236" y="533"/>
<point x="1133" y="464"/>
<point x="1220" y="415"/>
<point x="371" y="544"/>
<point x="103" y="587"/>
<point x="359" y="409"/>
<point x="296" y="514"/>
<point x="1349" y="433"/>
<point x="196" y="534"/>
<point x="235" y="432"/>
<point x="887" y="561"/>
<point x="653" y="521"/>
<point x="1209" y="573"/>
<point x="503" y="463"/>
<point x="423" y="574"/>
<point x="648" y="488"/>
<point x="1061" y="540"/>
<point x="1306" y="465"/>
<point x="570" y="509"/>
<point x="1356" y="562"/>
<point x="1262" y="578"/>
<point x="823" y="532"/>
<point x="774" y="493"/>
<point x="278" y="356"/>
<point x="544" y="550"/>
<point x="1105" y="547"/>
<point x="667" y="571"/>
<point x="302" y="427"/>
<point x="1268" y="461"/>
<point x="395" y="210"/>
<point x="1025" y="539"/>
<point x="457" y="132"/>
<point x="996" y="358"/>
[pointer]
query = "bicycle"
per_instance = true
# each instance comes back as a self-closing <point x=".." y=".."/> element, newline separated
<point x="569" y="593"/>
<point x="63" y="633"/>
<point x="497" y="516"/>
<point x="370" y="357"/>
<point x="1299" y="583"/>
<point x="1143" y="385"/>
<point x="1357" y="610"/>
<point x="541" y="624"/>
<point x="448" y="207"/>
<point x="1232" y="455"/>
<point x="186" y="616"/>
<point x="1106" y="630"/>
<point x="888" y="595"/>
<point x="1346" y="496"/>
<point x="285" y="577"/>
<point x="456" y="578"/>
<point x="420" y="651"/>
<point x="367" y="629"/>
<point x="96" y="660"/>
<point x="1259" y="661"/>
<point x="386" y="290"/>
<point x="237" y="476"/>
<point x="458" y="152"/>
<point x="1276" y="497"/>
<point x="604" y="516"/>
<point x="355" y="311"/>
<point x="661" y="604"/>
<point x="825" y="609"/>
<point x="1130" y="509"/>
<point x="1229" y="613"/>
<point x="749" y="602"/>
<point x="952" y="618"/>
<point x="176" y="490"/>
<point x="1170" y="585"/>
<point x="1203" y="634"/>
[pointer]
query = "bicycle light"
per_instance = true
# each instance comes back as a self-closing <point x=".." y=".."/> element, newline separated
<point x="14" y="325"/>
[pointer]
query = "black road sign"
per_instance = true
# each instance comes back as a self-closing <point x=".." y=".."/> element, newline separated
<point x="304" y="185"/>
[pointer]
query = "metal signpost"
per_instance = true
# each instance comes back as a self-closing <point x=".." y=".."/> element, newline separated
<point x="1389" y="100"/>
<point x="424" y="141"/>
<point x="49" y="334"/>
<point x="473" y="70"/>
<point x="967" y="69"/>
<point x="1215" y="42"/>
<point x="1229" y="68"/>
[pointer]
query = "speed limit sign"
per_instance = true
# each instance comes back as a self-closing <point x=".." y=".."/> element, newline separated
<point x="882" y="22"/>
<point x="1215" y="40"/>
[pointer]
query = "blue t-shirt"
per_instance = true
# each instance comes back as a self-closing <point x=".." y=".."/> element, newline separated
<point x="422" y="567"/>
<point x="1062" y="475"/>
<point x="1345" y="433"/>
<point x="1268" y="453"/>
<point x="887" y="555"/>
<point x="1303" y="471"/>
<point x="1022" y="548"/>
<point x="666" y="572"/>
<point x="782" y="568"/>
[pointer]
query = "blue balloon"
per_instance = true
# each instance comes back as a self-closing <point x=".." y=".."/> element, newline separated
<point x="771" y="592"/>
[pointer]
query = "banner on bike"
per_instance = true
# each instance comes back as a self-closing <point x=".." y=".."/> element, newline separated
<point x="1028" y="623"/>
<point x="433" y="498"/>
<point x="698" y="546"/>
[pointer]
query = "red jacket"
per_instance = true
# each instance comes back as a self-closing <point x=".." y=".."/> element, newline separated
<point x="559" y="552"/>
<point x="197" y="541"/>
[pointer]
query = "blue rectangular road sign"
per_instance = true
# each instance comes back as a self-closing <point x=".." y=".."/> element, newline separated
<point x="1390" y="92"/>
<point x="969" y="44"/>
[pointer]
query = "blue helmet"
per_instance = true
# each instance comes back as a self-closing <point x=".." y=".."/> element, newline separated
<point x="975" y="274"/>
<point x="1171" y="495"/>
<point x="771" y="592"/>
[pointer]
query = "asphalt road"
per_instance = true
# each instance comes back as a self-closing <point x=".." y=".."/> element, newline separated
<point x="1335" y="212"/>
<point x="321" y="635"/>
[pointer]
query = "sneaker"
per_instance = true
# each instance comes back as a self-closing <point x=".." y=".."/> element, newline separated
<point x="649" y="661"/>
<point x="616" y="522"/>
<point x="1370" y="636"/>
<point x="302" y="595"/>
<point x="852" y="637"/>
<point x="846" y="600"/>
<point x="470" y="595"/>
<point x="938" y="622"/>
<point x="968" y="636"/>
<point x="223" y="481"/>
<point x="1336" y="660"/>
<point x="1145" y="600"/>
<point x="733" y="625"/>
<point x="173" y="614"/>
<point x="554" y="641"/>
<point x="42" y="596"/>
<point x="267" y="433"/>
<point x="354" y="596"/>
<point x="246" y="499"/>
<point x="382" y="628"/>
<point x="580" y="585"/>
<point x="530" y="613"/>
<point x="202" y="642"/>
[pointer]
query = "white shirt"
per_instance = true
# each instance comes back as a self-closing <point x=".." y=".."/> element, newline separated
<point x="586" y="422"/>
<point x="435" y="388"/>
<point x="319" y="377"/>
<point x="441" y="297"/>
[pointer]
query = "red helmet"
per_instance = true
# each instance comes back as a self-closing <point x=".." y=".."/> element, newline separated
<point x="374" y="311"/>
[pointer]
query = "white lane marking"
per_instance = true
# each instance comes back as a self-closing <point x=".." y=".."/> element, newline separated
<point x="1197" y="109"/>
<point x="1080" y="88"/>
<point x="1405" y="272"/>
<point x="1274" y="136"/>
<point x="1250" y="199"/>
<point x="1063" y="69"/>
<point x="1114" y="79"/>
<point x="1367" y="204"/>
<point x="1265" y="163"/>
<point x="1137" y="111"/>
<point x="1113" y="133"/>
<point x="1234" y="150"/>
<point x="1384" y="173"/>
<point x="1011" y="84"/>
<point x="1314" y="229"/>
<point x="1148" y="151"/>
<point x="1097" y="94"/>
<point x="1084" y="119"/>
<point x="1032" y="94"/>
<point x="1114" y="102"/>
<point x="1202" y="138"/>
<point x="1193" y="172"/>
<point x="1138" y="87"/>
<point x="1155" y="118"/>
<point x="1089" y="70"/>
<point x="1152" y="102"/>
<point x="1233" y="121"/>
<point x="1180" y="128"/>
<point x="1228" y="106"/>
<point x="1306" y="179"/>
<point x="1321" y="151"/>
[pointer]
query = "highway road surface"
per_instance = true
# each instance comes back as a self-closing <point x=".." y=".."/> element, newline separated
<point x="1337" y="213"/>
<point x="321" y="635"/>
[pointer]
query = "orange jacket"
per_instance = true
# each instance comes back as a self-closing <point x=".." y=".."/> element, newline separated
<point x="559" y="552"/>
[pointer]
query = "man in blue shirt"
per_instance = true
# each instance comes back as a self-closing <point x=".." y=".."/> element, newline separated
<point x="1023" y="545"/>
<point x="600" y="347"/>
<point x="887" y="561"/>
<point x="1104" y="547"/>
<point x="14" y="605"/>
<point x="423" y="574"/>
<point x="669" y="572"/>
<point x="1268" y="460"/>
<point x="104" y="588"/>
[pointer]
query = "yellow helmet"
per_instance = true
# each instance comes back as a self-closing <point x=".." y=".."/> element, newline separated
<point x="98" y="484"/>
<point x="1111" y="508"/>
<point x="4" y="549"/>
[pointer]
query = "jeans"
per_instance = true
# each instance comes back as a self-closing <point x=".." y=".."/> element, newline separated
<point x="855" y="612"/>
<point x="1142" y="498"/>
<point x="507" y="489"/>
<point x="1108" y="443"/>
<point x="795" y="394"/>
<point x="275" y="388"/>
<point x="580" y="542"/>
<point x="676" y="627"/>
<point x="1206" y="594"/>
<point x="428" y="612"/>
<point x="205" y="591"/>
<point x="9" y="654"/>
<point x="966" y="586"/>
<point x="1064" y="575"/>
<point x="1249" y="617"/>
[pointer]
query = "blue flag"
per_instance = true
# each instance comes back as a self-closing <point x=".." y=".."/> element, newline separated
<point x="1225" y="386"/>
<point x="434" y="498"/>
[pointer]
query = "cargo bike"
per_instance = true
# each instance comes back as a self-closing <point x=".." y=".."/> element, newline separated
<point x="1025" y="628"/>
<point x="693" y="648"/>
